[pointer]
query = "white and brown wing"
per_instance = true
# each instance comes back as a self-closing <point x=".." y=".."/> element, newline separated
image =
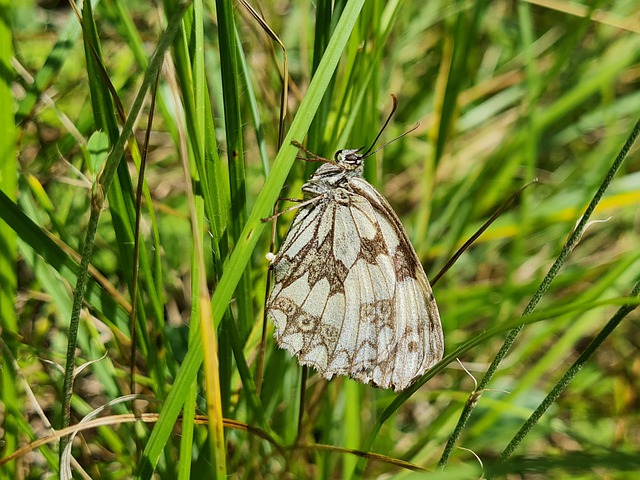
<point x="350" y="296"/>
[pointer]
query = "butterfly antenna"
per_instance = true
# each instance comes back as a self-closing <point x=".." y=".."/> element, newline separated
<point x="369" y="152"/>
<point x="393" y="110"/>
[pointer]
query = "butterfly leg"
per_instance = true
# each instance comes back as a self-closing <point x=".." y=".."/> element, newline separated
<point x="312" y="156"/>
<point x="291" y="209"/>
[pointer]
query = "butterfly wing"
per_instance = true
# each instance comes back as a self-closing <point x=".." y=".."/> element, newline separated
<point x="413" y="337"/>
<point x="350" y="296"/>
<point x="307" y="303"/>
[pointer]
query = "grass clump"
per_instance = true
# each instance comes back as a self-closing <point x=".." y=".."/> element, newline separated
<point x="115" y="241"/>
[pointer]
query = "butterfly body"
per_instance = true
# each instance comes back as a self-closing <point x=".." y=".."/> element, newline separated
<point x="350" y="296"/>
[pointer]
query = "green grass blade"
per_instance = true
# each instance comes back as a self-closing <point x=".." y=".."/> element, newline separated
<point x="251" y="232"/>
<point x="568" y="247"/>
<point x="8" y="240"/>
<point x="568" y="376"/>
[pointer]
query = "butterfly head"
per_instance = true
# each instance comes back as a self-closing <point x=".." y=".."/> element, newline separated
<point x="349" y="158"/>
<point x="334" y="174"/>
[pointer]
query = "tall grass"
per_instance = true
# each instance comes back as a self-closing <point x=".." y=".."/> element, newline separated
<point x="540" y="310"/>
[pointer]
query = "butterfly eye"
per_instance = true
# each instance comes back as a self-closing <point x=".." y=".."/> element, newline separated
<point x="353" y="158"/>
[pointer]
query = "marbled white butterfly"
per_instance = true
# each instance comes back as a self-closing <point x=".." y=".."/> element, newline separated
<point x="350" y="296"/>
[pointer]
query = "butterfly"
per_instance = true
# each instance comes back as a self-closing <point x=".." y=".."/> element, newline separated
<point x="350" y="296"/>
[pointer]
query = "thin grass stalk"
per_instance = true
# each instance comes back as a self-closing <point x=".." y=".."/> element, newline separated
<point x="211" y="358"/>
<point x="136" y="236"/>
<point x="201" y="302"/>
<point x="248" y="385"/>
<point x="571" y="243"/>
<point x="212" y="182"/>
<point x="567" y="330"/>
<point x="569" y="375"/>
<point x="253" y="107"/>
<point x="284" y="77"/>
<point x="98" y="195"/>
<point x="231" y="75"/>
<point x="197" y="205"/>
<point x="103" y="107"/>
<point x="104" y="99"/>
<point x="187" y="434"/>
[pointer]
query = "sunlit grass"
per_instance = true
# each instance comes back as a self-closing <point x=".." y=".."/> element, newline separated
<point x="505" y="94"/>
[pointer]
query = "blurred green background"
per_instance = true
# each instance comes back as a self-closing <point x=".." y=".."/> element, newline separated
<point x="505" y="93"/>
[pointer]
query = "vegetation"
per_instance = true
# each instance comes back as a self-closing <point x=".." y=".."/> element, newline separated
<point x="146" y="144"/>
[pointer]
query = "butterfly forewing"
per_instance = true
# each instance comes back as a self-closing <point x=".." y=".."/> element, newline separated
<point x="350" y="296"/>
